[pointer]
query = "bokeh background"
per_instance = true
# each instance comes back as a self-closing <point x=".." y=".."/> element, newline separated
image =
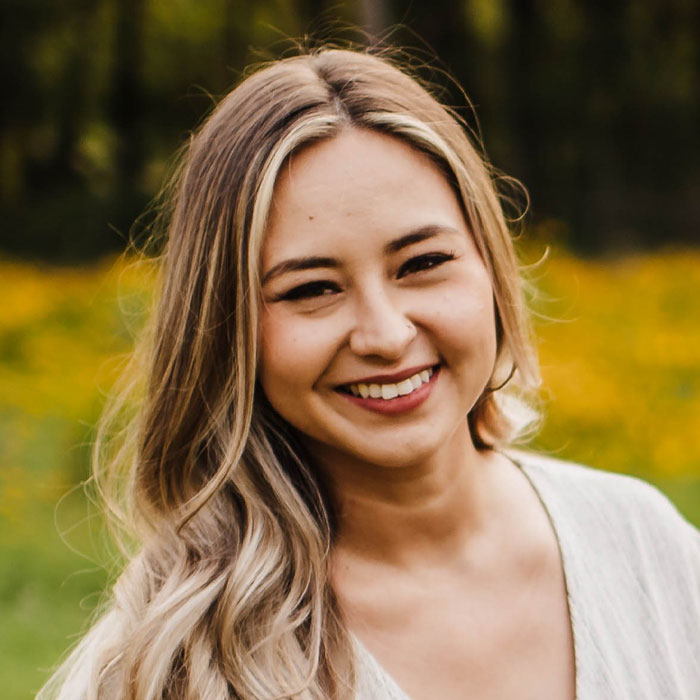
<point x="592" y="104"/>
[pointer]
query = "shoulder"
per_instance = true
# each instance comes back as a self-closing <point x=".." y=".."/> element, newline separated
<point x="616" y="509"/>
<point x="632" y="567"/>
<point x="606" y="490"/>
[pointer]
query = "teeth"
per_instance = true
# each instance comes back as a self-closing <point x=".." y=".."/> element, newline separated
<point x="416" y="381"/>
<point x="405" y="387"/>
<point x="391" y="391"/>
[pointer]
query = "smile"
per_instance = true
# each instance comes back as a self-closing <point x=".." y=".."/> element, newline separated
<point x="392" y="398"/>
<point x="387" y="392"/>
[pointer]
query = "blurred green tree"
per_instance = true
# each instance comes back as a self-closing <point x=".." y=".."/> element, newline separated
<point x="594" y="105"/>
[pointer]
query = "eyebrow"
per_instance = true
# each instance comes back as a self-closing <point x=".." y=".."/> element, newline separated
<point x="295" y="264"/>
<point x="314" y="262"/>
<point x="420" y="234"/>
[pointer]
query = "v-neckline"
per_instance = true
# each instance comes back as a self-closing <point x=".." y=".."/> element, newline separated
<point x="398" y="693"/>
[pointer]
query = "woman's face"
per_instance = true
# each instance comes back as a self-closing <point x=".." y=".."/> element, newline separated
<point x="378" y="331"/>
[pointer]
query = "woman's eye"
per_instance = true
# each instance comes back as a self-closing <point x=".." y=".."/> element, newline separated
<point x="424" y="262"/>
<point x="309" y="290"/>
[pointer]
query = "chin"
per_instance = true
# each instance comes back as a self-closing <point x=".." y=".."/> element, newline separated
<point x="393" y="454"/>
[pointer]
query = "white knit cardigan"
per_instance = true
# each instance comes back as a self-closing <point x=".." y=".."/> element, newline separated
<point x="632" y="570"/>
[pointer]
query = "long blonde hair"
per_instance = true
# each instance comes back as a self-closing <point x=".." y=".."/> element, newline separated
<point x="227" y="591"/>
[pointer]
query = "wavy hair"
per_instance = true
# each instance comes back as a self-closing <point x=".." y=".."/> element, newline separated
<point x="227" y="592"/>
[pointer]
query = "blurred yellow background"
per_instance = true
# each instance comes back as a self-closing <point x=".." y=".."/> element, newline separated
<point x="619" y="347"/>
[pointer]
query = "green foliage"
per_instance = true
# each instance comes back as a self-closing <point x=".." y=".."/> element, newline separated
<point x="592" y="105"/>
<point x="47" y="591"/>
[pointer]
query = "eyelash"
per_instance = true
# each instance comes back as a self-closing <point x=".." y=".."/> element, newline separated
<point x="424" y="262"/>
<point x="311" y="290"/>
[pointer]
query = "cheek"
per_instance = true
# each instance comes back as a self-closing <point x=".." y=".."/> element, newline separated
<point x="464" y="318"/>
<point x="279" y="355"/>
<point x="292" y="358"/>
<point x="471" y="336"/>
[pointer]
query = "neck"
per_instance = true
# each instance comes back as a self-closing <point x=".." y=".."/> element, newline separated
<point x="415" y="514"/>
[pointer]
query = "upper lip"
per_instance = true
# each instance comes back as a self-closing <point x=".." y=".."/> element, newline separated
<point x="391" y="378"/>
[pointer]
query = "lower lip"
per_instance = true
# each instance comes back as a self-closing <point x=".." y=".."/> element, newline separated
<point x="401" y="404"/>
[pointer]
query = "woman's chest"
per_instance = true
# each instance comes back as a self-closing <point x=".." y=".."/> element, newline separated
<point x="503" y="641"/>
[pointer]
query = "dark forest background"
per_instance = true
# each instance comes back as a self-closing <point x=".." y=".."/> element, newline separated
<point x="593" y="104"/>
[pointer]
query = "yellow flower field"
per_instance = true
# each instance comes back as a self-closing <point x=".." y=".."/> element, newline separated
<point x="619" y="349"/>
<point x="621" y="362"/>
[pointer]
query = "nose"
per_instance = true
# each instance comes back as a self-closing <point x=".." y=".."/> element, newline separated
<point x="380" y="327"/>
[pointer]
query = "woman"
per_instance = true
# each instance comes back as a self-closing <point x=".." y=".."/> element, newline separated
<point x="316" y="480"/>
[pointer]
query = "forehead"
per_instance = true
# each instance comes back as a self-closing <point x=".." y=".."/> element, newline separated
<point x="357" y="188"/>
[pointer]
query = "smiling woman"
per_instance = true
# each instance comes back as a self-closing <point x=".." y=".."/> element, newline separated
<point x="317" y="479"/>
<point x="380" y="310"/>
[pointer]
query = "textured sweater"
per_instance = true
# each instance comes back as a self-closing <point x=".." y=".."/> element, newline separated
<point x="632" y="571"/>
